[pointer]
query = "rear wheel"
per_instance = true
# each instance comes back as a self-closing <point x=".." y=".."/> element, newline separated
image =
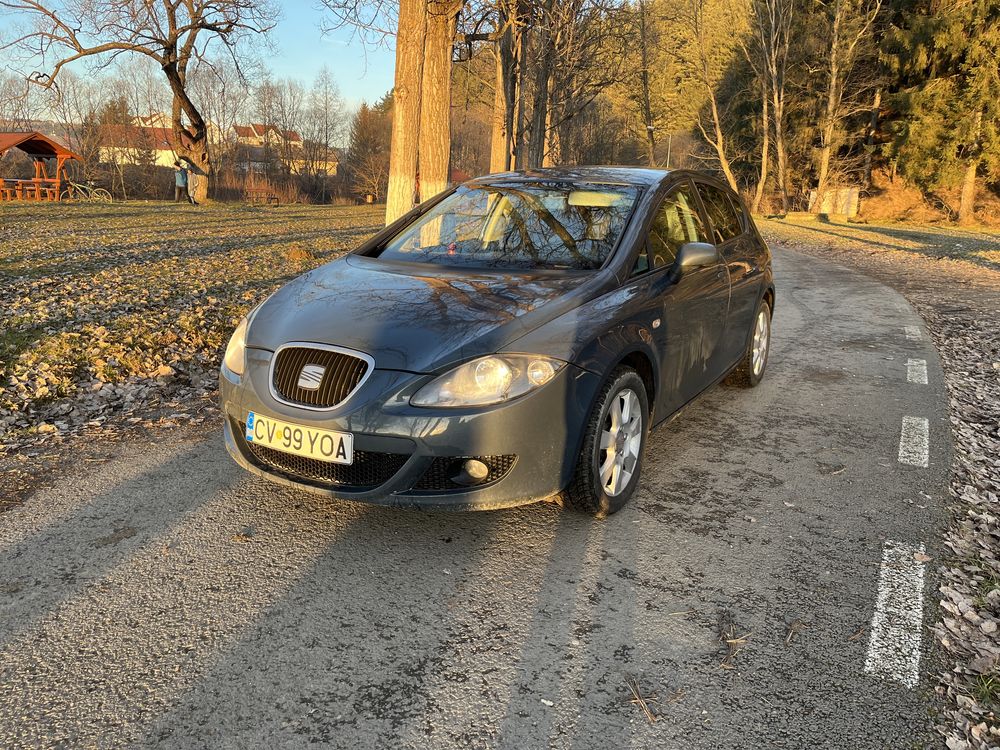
<point x="610" y="461"/>
<point x="750" y="371"/>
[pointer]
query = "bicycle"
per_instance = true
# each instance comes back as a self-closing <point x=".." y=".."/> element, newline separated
<point x="85" y="191"/>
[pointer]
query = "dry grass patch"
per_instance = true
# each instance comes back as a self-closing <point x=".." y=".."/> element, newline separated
<point x="124" y="309"/>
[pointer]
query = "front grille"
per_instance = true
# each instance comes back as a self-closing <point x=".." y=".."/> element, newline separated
<point x="368" y="471"/>
<point x="341" y="375"/>
<point x="438" y="476"/>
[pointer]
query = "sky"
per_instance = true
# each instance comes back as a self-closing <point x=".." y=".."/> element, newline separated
<point x="362" y="74"/>
<point x="301" y="49"/>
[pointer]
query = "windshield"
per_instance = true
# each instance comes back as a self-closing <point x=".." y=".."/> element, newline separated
<point x="519" y="226"/>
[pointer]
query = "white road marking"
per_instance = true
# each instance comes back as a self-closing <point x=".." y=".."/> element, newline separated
<point x="914" y="442"/>
<point x="894" y="645"/>
<point x="912" y="332"/>
<point x="916" y="371"/>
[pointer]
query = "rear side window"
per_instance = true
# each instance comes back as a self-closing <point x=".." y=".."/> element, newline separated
<point x="726" y="220"/>
<point x="676" y="223"/>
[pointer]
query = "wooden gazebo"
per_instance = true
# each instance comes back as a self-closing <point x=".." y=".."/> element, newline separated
<point x="40" y="148"/>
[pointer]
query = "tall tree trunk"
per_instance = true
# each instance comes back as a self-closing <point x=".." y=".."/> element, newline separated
<point x="191" y="143"/>
<point x="870" y="136"/>
<point x="551" y="151"/>
<point x="647" y="111"/>
<point x="720" y="144"/>
<point x="499" y="148"/>
<point x="554" y="152"/>
<point x="406" y="108"/>
<point x="967" y="206"/>
<point x="521" y="116"/>
<point x="829" y="119"/>
<point x="502" y="138"/>
<point x="540" y="108"/>
<point x="779" y="147"/>
<point x="435" y="99"/>
<point x="765" y="149"/>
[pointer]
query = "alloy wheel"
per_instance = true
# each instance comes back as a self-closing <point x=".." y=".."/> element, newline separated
<point x="761" y="336"/>
<point x="621" y="441"/>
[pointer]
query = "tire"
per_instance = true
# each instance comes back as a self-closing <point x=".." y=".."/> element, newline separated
<point x="100" y="195"/>
<point x="587" y="492"/>
<point x="66" y="195"/>
<point x="750" y="371"/>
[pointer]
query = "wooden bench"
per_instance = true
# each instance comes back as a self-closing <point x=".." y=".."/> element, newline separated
<point x="28" y="190"/>
<point x="260" y="195"/>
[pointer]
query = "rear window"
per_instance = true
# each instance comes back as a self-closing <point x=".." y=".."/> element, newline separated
<point x="726" y="220"/>
<point x="518" y="226"/>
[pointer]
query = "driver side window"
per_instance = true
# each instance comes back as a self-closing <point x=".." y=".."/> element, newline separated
<point x="676" y="222"/>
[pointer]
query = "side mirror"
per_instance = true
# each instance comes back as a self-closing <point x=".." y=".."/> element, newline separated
<point x="693" y="255"/>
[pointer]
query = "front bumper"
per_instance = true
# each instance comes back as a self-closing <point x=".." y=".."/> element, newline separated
<point x="542" y="431"/>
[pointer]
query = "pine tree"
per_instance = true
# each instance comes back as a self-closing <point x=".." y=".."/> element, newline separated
<point x="946" y="54"/>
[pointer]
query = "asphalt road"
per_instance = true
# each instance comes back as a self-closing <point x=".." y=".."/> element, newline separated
<point x="165" y="598"/>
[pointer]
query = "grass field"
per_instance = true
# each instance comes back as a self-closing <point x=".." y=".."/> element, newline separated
<point x="125" y="293"/>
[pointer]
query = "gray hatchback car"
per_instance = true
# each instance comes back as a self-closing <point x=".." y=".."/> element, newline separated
<point x="513" y="339"/>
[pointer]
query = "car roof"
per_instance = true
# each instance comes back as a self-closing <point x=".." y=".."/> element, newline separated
<point x="611" y="175"/>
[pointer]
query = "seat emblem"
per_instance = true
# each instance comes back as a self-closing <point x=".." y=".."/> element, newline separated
<point x="311" y="376"/>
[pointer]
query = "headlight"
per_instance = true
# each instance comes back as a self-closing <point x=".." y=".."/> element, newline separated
<point x="235" y="358"/>
<point x="489" y="380"/>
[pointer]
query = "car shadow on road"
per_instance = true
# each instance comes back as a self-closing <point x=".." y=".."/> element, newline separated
<point x="426" y="630"/>
<point x="52" y="555"/>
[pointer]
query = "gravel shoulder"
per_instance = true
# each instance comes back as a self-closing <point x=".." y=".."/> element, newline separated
<point x="952" y="278"/>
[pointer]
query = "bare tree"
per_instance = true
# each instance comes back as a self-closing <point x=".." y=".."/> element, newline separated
<point x="772" y="22"/>
<point x="173" y="33"/>
<point x="849" y="25"/>
<point x="703" y="51"/>
<point x="17" y="105"/>
<point x="76" y="106"/>
<point x="755" y="57"/>
<point x="224" y="93"/>
<point x="371" y="174"/>
<point x="289" y="114"/>
<point x="324" y="125"/>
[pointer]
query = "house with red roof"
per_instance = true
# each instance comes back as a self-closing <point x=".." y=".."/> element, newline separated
<point x="258" y="134"/>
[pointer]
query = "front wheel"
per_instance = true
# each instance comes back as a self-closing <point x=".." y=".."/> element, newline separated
<point x="610" y="461"/>
<point x="100" y="195"/>
<point x="750" y="371"/>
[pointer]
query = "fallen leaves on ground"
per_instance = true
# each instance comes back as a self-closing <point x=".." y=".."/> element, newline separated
<point x="118" y="315"/>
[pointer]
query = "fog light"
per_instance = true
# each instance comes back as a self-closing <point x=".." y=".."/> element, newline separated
<point x="470" y="472"/>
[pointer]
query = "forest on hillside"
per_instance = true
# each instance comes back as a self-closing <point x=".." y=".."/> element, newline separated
<point x="789" y="100"/>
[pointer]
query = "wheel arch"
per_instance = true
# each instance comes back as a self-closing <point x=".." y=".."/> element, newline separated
<point x="640" y="362"/>
<point x="769" y="297"/>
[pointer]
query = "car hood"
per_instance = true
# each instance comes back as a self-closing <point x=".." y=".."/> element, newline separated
<point x="408" y="316"/>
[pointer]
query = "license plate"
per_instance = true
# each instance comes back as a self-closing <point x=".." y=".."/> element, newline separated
<point x="323" y="445"/>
